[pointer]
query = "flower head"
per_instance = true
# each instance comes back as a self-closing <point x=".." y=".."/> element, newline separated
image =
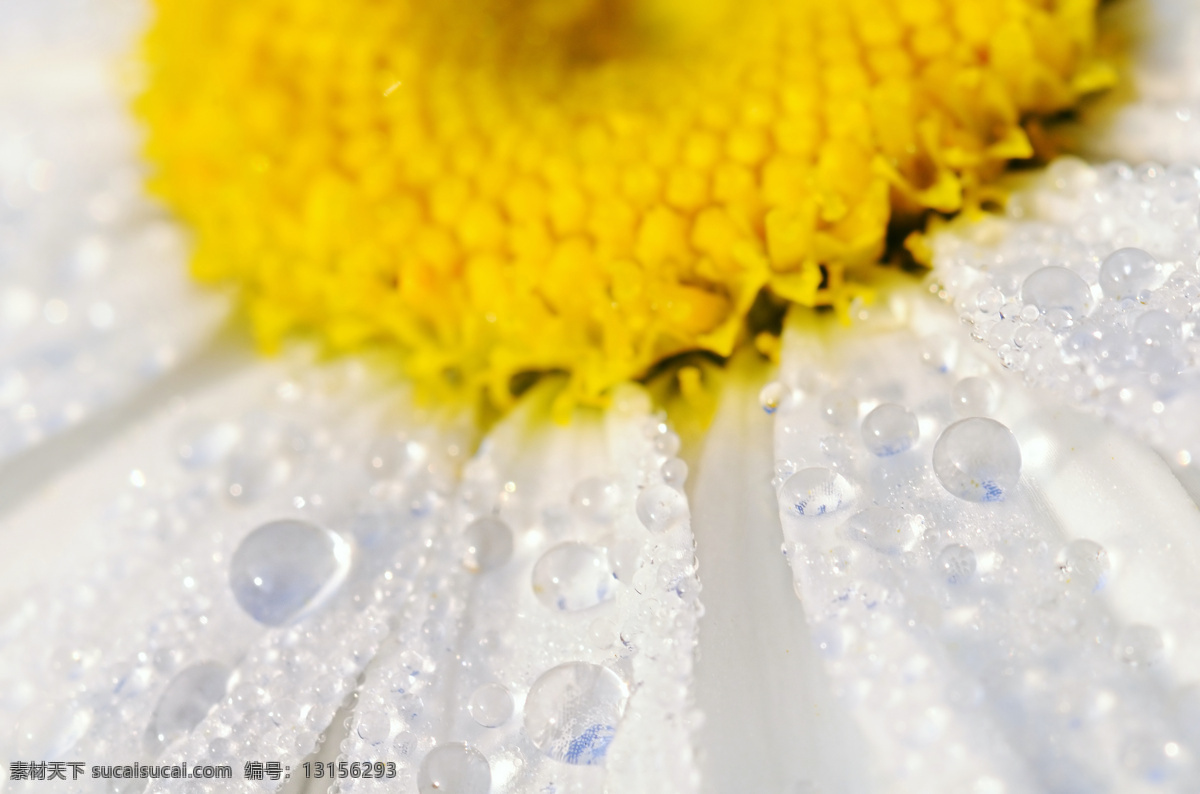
<point x="513" y="186"/>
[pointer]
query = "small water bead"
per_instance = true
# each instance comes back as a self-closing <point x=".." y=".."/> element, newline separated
<point x="285" y="569"/>
<point x="185" y="702"/>
<point x="772" y="396"/>
<point x="974" y="397"/>
<point x="573" y="576"/>
<point x="667" y="444"/>
<point x="1139" y="646"/>
<point x="454" y="768"/>
<point x="660" y="507"/>
<point x="1127" y="272"/>
<point x="1084" y="563"/>
<point x="489" y="544"/>
<point x="977" y="459"/>
<point x="1054" y="287"/>
<point x="886" y="529"/>
<point x="674" y="473"/>
<point x="374" y="727"/>
<point x="839" y="408"/>
<point x="890" y="429"/>
<point x="814" y="491"/>
<point x="1156" y="328"/>
<point x="956" y="564"/>
<point x="572" y="712"/>
<point x="596" y="499"/>
<point x="491" y="705"/>
<point x="1030" y="313"/>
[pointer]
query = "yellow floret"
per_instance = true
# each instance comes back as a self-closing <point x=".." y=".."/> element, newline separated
<point x="499" y="187"/>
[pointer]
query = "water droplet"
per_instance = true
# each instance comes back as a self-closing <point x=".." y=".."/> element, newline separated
<point x="886" y="529"/>
<point x="572" y="712"/>
<point x="956" y="564"/>
<point x="573" y="576"/>
<point x="974" y="397"/>
<point x="1139" y="645"/>
<point x="1084" y="563"/>
<point x="596" y="499"/>
<point x="201" y="443"/>
<point x="374" y="727"/>
<point x="185" y="702"/>
<point x="454" y="768"/>
<point x="489" y="544"/>
<point x="772" y="396"/>
<point x="977" y="459"/>
<point x="839" y="408"/>
<point x="890" y="429"/>
<point x="1056" y="287"/>
<point x="1126" y="272"/>
<point x="284" y="569"/>
<point x="660" y="507"/>
<point x="667" y="444"/>
<point x="491" y="705"/>
<point x="814" y="491"/>
<point x="674" y="473"/>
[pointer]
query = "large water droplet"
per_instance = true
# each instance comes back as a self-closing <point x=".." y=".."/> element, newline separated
<point x="572" y="712"/>
<point x="287" y="568"/>
<point x="454" y="768"/>
<point x="890" y="429"/>
<point x="977" y="459"/>
<point x="814" y="491"/>
<point x="185" y="702"/>
<point x="1055" y="287"/>
<point x="1084" y="564"/>
<point x="491" y="705"/>
<point x="660" y="507"/>
<point x="489" y="544"/>
<point x="886" y="529"/>
<point x="1126" y="272"/>
<point x="573" y="576"/>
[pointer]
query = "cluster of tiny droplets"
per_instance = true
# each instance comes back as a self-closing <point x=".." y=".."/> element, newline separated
<point x="580" y="592"/>
<point x="1090" y="288"/>
<point x="95" y="299"/>
<point x="970" y="644"/>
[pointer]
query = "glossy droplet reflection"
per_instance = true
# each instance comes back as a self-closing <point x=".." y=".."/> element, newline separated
<point x="886" y="529"/>
<point x="956" y="564"/>
<point x="573" y="576"/>
<point x="491" y="705"/>
<point x="454" y="768"/>
<point x="974" y="397"/>
<point x="660" y="507"/>
<point x="1054" y="287"/>
<point x="287" y="568"/>
<point x="813" y="492"/>
<point x="185" y="702"/>
<point x="1084" y="564"/>
<point x="1126" y="272"/>
<point x="977" y="459"/>
<point x="489" y="544"/>
<point x="890" y="429"/>
<point x="572" y="712"/>
<point x="595" y="499"/>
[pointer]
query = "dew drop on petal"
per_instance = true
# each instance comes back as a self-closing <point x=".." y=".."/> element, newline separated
<point x="374" y="727"/>
<point x="287" y="568"/>
<point x="974" y="397"/>
<point x="890" y="429"/>
<point x="1139" y="645"/>
<point x="572" y="712"/>
<point x="660" y="507"/>
<point x="813" y="492"/>
<point x="201" y="443"/>
<point x="573" y="576"/>
<point x="977" y="459"/>
<point x="1126" y="272"/>
<point x="1084" y="564"/>
<point x="956" y="564"/>
<point x="674" y="473"/>
<point x="489" y="544"/>
<point x="185" y="702"/>
<point x="454" y="768"/>
<point x="596" y="499"/>
<point x="1055" y="287"/>
<point x="491" y="705"/>
<point x="886" y="529"/>
<point x="771" y="396"/>
<point x="839" y="408"/>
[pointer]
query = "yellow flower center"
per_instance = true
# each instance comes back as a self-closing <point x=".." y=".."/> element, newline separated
<point x="501" y="187"/>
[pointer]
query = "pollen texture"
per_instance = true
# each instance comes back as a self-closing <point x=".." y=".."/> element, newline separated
<point x="500" y="187"/>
